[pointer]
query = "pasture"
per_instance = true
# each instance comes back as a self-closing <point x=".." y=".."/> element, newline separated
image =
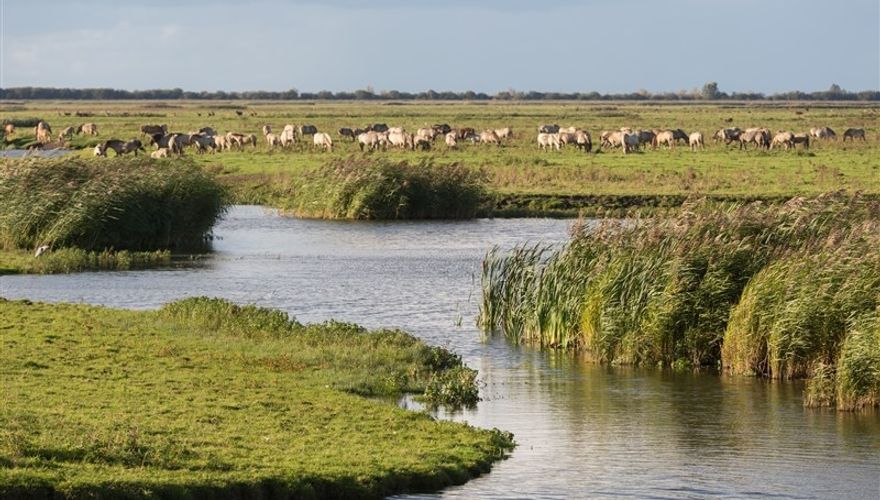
<point x="205" y="399"/>
<point x="519" y="176"/>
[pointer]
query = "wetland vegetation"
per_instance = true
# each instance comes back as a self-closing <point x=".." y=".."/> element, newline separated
<point x="206" y="399"/>
<point x="782" y="291"/>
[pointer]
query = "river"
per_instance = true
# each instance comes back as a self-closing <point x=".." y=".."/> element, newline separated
<point x="582" y="430"/>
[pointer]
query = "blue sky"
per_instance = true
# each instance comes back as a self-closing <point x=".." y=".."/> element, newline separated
<point x="561" y="45"/>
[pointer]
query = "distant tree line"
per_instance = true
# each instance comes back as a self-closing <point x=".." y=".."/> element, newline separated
<point x="709" y="92"/>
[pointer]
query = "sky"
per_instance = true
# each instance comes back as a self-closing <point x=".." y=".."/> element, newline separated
<point x="608" y="46"/>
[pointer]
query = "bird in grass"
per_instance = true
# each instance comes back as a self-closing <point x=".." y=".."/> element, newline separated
<point x="41" y="250"/>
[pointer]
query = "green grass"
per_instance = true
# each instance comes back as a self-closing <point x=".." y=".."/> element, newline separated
<point x="205" y="399"/>
<point x="71" y="260"/>
<point x="125" y="204"/>
<point x="520" y="178"/>
<point x="772" y="290"/>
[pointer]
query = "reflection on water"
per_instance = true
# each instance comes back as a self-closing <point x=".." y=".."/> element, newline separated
<point x="583" y="430"/>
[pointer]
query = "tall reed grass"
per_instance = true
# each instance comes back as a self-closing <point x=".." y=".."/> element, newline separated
<point x="125" y="203"/>
<point x="780" y="291"/>
<point x="367" y="188"/>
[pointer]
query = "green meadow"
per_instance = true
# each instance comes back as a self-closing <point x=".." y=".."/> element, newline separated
<point x="205" y="399"/>
<point x="519" y="177"/>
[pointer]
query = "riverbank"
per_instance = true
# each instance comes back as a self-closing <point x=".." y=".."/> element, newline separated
<point x="72" y="260"/>
<point x="203" y="399"/>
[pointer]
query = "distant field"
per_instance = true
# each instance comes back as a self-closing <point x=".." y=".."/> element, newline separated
<point x="519" y="170"/>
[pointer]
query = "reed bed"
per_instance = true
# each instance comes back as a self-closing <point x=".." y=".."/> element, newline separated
<point x="124" y="204"/>
<point x="366" y="188"/>
<point x="781" y="291"/>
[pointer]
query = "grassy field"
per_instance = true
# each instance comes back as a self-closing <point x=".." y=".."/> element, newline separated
<point x="204" y="399"/>
<point x="520" y="177"/>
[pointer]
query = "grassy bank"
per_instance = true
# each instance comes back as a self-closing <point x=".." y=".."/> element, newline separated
<point x="783" y="291"/>
<point x="103" y="214"/>
<point x="204" y="399"/>
<point x="72" y="260"/>
<point x="521" y="179"/>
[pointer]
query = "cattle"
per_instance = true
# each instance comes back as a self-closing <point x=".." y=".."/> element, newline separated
<point x="88" y="129"/>
<point x="489" y="137"/>
<point x="803" y="139"/>
<point x="377" y="127"/>
<point x="154" y="129"/>
<point x="728" y="135"/>
<point x="159" y="153"/>
<point x="308" y="130"/>
<point x="784" y="139"/>
<point x="288" y="136"/>
<point x="854" y="133"/>
<point x="347" y="132"/>
<point x="121" y="147"/>
<point x="823" y="133"/>
<point x="441" y="128"/>
<point x="695" y="140"/>
<point x="66" y="133"/>
<point x="583" y="140"/>
<point x="548" y="141"/>
<point x="451" y="140"/>
<point x="666" y="137"/>
<point x="548" y="129"/>
<point x="323" y="141"/>
<point x="504" y="133"/>
<point x="272" y="140"/>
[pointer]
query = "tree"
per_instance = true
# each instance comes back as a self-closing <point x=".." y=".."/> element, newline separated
<point x="710" y="91"/>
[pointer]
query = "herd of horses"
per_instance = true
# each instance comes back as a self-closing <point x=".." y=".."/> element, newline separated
<point x="380" y="136"/>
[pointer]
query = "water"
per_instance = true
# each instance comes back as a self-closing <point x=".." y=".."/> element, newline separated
<point x="35" y="153"/>
<point x="583" y="430"/>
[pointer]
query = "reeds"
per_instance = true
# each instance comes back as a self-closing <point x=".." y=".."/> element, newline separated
<point x="125" y="203"/>
<point x="765" y="290"/>
<point x="365" y="188"/>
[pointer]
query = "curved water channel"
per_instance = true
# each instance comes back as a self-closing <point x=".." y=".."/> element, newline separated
<point x="582" y="430"/>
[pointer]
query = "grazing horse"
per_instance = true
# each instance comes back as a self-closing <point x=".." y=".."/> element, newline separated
<point x="121" y="147"/>
<point x="854" y="133"/>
